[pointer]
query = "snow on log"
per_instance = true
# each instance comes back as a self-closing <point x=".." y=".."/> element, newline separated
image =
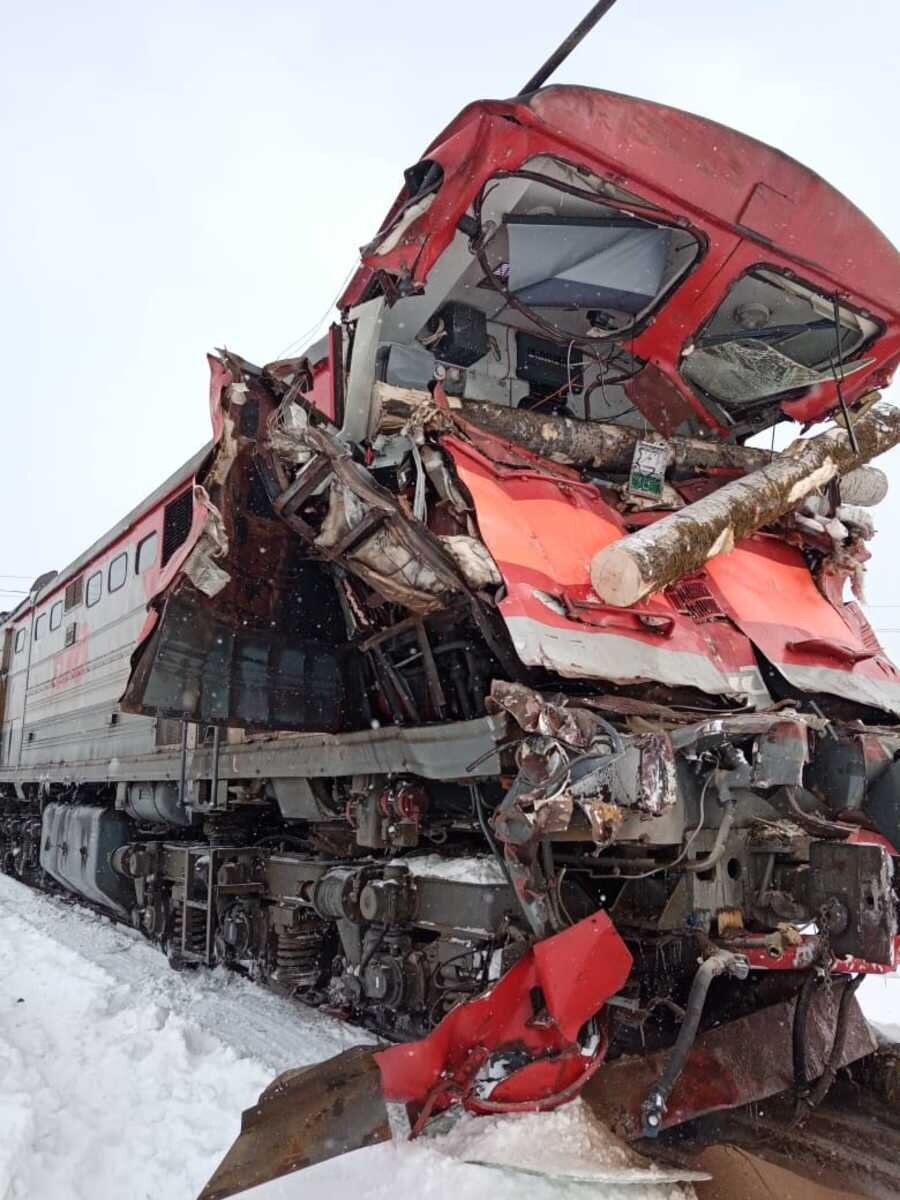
<point x="604" y="447"/>
<point x="672" y="547"/>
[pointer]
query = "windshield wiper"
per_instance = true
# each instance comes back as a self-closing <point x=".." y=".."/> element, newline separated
<point x="770" y="333"/>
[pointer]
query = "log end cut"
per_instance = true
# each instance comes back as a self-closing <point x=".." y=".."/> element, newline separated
<point x="616" y="577"/>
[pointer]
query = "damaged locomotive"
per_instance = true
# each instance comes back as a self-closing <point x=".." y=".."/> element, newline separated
<point x="348" y="704"/>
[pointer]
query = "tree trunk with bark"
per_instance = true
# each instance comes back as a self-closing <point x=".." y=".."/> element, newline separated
<point x="672" y="547"/>
<point x="564" y="439"/>
<point x="604" y="447"/>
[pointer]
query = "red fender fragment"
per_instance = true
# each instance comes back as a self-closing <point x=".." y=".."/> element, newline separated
<point x="515" y="1047"/>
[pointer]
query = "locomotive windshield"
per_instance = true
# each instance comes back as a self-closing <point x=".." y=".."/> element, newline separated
<point x="536" y="300"/>
<point x="772" y="335"/>
<point x="573" y="262"/>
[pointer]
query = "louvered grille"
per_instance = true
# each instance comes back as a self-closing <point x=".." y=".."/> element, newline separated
<point x="867" y="634"/>
<point x="692" y="597"/>
<point x="176" y="523"/>
<point x="74" y="593"/>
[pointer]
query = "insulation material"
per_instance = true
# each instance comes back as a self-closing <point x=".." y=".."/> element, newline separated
<point x="769" y="593"/>
<point x="387" y="564"/>
<point x="201" y="566"/>
<point x="475" y="563"/>
<point x="286" y="434"/>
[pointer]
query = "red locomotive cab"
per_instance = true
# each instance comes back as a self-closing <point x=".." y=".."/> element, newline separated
<point x="683" y="263"/>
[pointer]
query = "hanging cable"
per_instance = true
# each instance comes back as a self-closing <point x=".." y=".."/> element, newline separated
<point x="306" y="337"/>
<point x="838" y="373"/>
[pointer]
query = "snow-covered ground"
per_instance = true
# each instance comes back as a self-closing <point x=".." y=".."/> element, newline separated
<point x="118" y="1077"/>
<point x="879" y="996"/>
<point x="122" y="1080"/>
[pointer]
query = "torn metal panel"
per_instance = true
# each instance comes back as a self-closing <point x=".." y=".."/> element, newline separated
<point x="300" y="558"/>
<point x="768" y="592"/>
<point x="657" y="792"/>
<point x="738" y="1062"/>
<point x="532" y="1017"/>
<point x="574" y="764"/>
<point x="553" y="718"/>
<point x="366" y="528"/>
<point x="382" y="560"/>
<point x="640" y="774"/>
<point x="223" y="647"/>
<point x="200" y="667"/>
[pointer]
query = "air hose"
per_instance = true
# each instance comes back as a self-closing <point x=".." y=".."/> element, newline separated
<point x="722" y="962"/>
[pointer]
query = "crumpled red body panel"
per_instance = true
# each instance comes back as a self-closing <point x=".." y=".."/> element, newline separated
<point x="532" y="1017"/>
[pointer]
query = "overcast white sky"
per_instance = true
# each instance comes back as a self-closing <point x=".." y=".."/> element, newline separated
<point x="179" y="176"/>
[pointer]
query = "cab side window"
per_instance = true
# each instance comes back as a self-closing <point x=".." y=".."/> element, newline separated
<point x="94" y="588"/>
<point x="56" y="613"/>
<point x="146" y="554"/>
<point x="118" y="572"/>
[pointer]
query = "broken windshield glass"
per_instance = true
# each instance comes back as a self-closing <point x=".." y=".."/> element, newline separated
<point x="738" y="372"/>
<point x="771" y="335"/>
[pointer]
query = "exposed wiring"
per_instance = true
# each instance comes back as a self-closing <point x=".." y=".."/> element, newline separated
<point x="552" y="883"/>
<point x="305" y="338"/>
<point x="538" y="400"/>
<point x="559" y="897"/>
<point x="372" y="950"/>
<point x="687" y="845"/>
<point x="478" y="806"/>
<point x="488" y="753"/>
<point x="434" y="976"/>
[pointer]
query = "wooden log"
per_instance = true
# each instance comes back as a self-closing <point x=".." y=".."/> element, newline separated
<point x="604" y="447"/>
<point x="564" y="439"/>
<point x="671" y="548"/>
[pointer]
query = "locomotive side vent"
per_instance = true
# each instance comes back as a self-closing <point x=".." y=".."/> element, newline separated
<point x="693" y="598"/>
<point x="168" y="731"/>
<point x="74" y="594"/>
<point x="176" y="523"/>
<point x="70" y="634"/>
<point x="867" y="634"/>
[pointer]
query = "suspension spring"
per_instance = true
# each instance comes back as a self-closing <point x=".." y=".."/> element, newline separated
<point x="298" y="956"/>
<point x="196" y="930"/>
